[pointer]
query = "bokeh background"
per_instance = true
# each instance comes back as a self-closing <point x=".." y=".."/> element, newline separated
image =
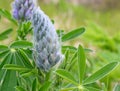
<point x="101" y="18"/>
<point x="69" y="14"/>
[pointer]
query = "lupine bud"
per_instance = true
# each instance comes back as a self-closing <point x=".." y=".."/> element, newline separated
<point x="22" y="9"/>
<point x="47" y="48"/>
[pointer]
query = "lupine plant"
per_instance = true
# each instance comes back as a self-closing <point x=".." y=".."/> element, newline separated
<point x="45" y="63"/>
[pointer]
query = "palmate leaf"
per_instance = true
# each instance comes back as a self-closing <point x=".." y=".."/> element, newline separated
<point x="73" y="34"/>
<point x="4" y="35"/>
<point x="66" y="75"/>
<point x="24" y="58"/>
<point x="9" y="79"/>
<point x="7" y="15"/>
<point x="4" y="61"/>
<point x="21" y="44"/>
<point x="17" y="60"/>
<point x="100" y="73"/>
<point x="3" y="48"/>
<point x="81" y="63"/>
<point x="3" y="54"/>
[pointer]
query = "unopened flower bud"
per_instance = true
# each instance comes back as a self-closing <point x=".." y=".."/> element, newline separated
<point x="47" y="48"/>
<point x="22" y="9"/>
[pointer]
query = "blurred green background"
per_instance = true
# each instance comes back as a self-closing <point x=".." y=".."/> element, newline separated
<point x="101" y="18"/>
<point x="69" y="14"/>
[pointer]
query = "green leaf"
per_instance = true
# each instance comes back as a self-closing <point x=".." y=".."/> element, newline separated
<point x="52" y="21"/>
<point x="92" y="89"/>
<point x="18" y="88"/>
<point x="15" y="67"/>
<point x="25" y="59"/>
<point x="60" y="33"/>
<point x="5" y="34"/>
<point x="74" y="49"/>
<point x="71" y="48"/>
<point x="5" y="60"/>
<point x="73" y="34"/>
<point x="72" y="61"/>
<point x="34" y="85"/>
<point x="21" y="44"/>
<point x="65" y="62"/>
<point x="101" y="73"/>
<point x="9" y="79"/>
<point x="29" y="73"/>
<point x="66" y="75"/>
<point x="9" y="82"/>
<point x="7" y="14"/>
<point x="68" y="89"/>
<point x="3" y="54"/>
<point x="45" y="86"/>
<point x="3" y="48"/>
<point x="81" y="63"/>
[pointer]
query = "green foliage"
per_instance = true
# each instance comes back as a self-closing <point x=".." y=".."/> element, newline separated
<point x="4" y="35"/>
<point x="73" y="34"/>
<point x="7" y="15"/>
<point x="18" y="71"/>
<point x="81" y="64"/>
<point x="23" y="30"/>
<point x="82" y="82"/>
<point x="21" y="44"/>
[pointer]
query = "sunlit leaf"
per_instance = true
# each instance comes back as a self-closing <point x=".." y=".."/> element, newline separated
<point x="21" y="44"/>
<point x="101" y="73"/>
<point x="66" y="75"/>
<point x="73" y="34"/>
<point x="15" y="67"/>
<point x="81" y="63"/>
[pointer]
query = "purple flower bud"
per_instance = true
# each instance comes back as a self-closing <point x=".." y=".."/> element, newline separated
<point x="22" y="9"/>
<point x="47" y="48"/>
